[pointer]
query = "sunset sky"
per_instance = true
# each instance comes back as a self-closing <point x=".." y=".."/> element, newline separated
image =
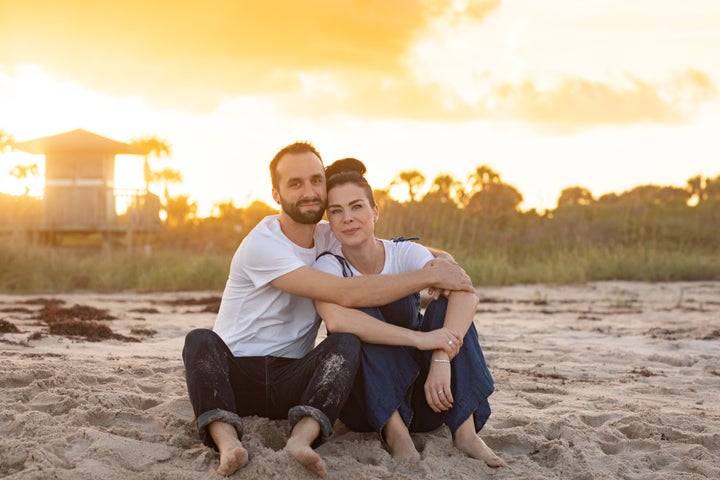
<point x="604" y="94"/>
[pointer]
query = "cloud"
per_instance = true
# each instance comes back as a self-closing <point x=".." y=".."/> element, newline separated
<point x="179" y="47"/>
<point x="574" y="101"/>
<point x="563" y="102"/>
<point x="319" y="57"/>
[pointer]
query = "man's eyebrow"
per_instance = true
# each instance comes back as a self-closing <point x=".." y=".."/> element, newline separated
<point x="299" y="179"/>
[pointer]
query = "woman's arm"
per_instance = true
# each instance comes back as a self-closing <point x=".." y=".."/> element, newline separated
<point x="371" y="330"/>
<point x="461" y="310"/>
<point x="458" y="317"/>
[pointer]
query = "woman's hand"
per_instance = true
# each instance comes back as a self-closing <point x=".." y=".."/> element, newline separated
<point x="437" y="385"/>
<point x="442" y="339"/>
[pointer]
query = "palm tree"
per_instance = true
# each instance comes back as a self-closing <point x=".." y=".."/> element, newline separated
<point x="166" y="175"/>
<point x="574" y="196"/>
<point x="413" y="180"/>
<point x="179" y="210"/>
<point x="150" y="145"/>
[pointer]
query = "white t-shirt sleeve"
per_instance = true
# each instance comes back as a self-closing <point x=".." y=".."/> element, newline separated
<point x="407" y="256"/>
<point x="266" y="257"/>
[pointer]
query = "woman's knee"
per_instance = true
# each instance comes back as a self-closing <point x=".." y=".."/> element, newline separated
<point x="434" y="316"/>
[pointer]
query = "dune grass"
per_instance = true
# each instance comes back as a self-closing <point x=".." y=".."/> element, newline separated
<point x="34" y="269"/>
<point x="579" y="265"/>
<point x="45" y="269"/>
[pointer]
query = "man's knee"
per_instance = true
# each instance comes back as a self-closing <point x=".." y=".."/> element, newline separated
<point x="348" y="343"/>
<point x="199" y="340"/>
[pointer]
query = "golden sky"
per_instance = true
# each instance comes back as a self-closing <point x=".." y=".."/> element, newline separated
<point x="606" y="94"/>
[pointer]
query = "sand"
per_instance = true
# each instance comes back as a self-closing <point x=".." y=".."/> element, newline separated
<point x="597" y="381"/>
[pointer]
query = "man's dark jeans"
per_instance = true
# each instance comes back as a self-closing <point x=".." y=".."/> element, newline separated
<point x="224" y="388"/>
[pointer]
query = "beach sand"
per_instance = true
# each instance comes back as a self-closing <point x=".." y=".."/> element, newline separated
<point x="597" y="381"/>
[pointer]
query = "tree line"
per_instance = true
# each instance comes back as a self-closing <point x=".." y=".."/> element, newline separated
<point x="469" y="215"/>
<point x="482" y="213"/>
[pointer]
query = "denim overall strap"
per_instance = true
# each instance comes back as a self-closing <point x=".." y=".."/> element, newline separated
<point x="346" y="270"/>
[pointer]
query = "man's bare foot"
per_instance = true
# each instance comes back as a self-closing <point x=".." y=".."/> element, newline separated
<point x="233" y="455"/>
<point x="307" y="457"/>
<point x="473" y="446"/>
<point x="232" y="459"/>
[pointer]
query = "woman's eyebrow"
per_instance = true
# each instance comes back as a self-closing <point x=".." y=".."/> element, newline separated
<point x="353" y="202"/>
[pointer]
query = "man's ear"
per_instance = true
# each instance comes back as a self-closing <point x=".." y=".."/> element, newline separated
<point x="276" y="196"/>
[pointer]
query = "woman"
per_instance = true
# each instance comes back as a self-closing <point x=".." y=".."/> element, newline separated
<point x="418" y="371"/>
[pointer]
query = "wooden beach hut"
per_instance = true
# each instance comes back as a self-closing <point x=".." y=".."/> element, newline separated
<point x="80" y="194"/>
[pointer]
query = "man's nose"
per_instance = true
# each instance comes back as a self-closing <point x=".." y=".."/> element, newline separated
<point x="308" y="190"/>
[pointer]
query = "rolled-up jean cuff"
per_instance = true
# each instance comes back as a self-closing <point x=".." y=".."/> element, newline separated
<point x="218" y="415"/>
<point x="296" y="413"/>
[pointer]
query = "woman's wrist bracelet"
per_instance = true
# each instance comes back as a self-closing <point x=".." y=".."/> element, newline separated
<point x="440" y="360"/>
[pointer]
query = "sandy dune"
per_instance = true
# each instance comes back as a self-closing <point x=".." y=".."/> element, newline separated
<point x="599" y="381"/>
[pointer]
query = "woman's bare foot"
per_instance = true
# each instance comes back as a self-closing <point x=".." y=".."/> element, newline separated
<point x="399" y="441"/>
<point x="404" y="452"/>
<point x="306" y="456"/>
<point x="474" y="447"/>
<point x="232" y="460"/>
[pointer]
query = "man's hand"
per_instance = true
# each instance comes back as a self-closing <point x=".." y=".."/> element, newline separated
<point x="450" y="276"/>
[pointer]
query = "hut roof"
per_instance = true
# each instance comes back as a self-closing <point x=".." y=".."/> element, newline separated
<point x="76" y="140"/>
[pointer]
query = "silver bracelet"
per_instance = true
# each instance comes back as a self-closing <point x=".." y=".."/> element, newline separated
<point x="440" y="360"/>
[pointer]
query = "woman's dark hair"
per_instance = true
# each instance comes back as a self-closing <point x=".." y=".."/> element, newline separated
<point x="348" y="170"/>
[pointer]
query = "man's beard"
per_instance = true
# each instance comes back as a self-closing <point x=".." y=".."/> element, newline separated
<point x="308" y="217"/>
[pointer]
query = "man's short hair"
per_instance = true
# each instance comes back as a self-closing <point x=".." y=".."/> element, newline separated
<point x="297" y="147"/>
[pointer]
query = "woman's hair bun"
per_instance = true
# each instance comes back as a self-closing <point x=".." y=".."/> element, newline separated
<point x="345" y="165"/>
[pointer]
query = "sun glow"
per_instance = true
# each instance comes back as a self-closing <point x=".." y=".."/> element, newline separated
<point x="604" y="95"/>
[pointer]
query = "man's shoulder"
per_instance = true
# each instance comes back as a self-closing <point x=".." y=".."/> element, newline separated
<point x="264" y="235"/>
<point x="268" y="227"/>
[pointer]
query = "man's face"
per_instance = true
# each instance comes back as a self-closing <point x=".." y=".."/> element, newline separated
<point x="301" y="187"/>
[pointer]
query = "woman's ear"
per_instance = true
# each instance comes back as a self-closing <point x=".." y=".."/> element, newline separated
<point x="376" y="213"/>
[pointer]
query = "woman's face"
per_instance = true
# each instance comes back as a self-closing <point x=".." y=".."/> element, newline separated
<point x="352" y="218"/>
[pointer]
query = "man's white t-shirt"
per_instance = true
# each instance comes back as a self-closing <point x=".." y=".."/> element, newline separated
<point x="400" y="257"/>
<point x="257" y="319"/>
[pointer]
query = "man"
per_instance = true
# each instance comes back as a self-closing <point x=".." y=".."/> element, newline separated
<point x="259" y="358"/>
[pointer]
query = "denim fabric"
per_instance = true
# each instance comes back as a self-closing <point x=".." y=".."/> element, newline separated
<point x="471" y="382"/>
<point x="224" y="387"/>
<point x="392" y="377"/>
